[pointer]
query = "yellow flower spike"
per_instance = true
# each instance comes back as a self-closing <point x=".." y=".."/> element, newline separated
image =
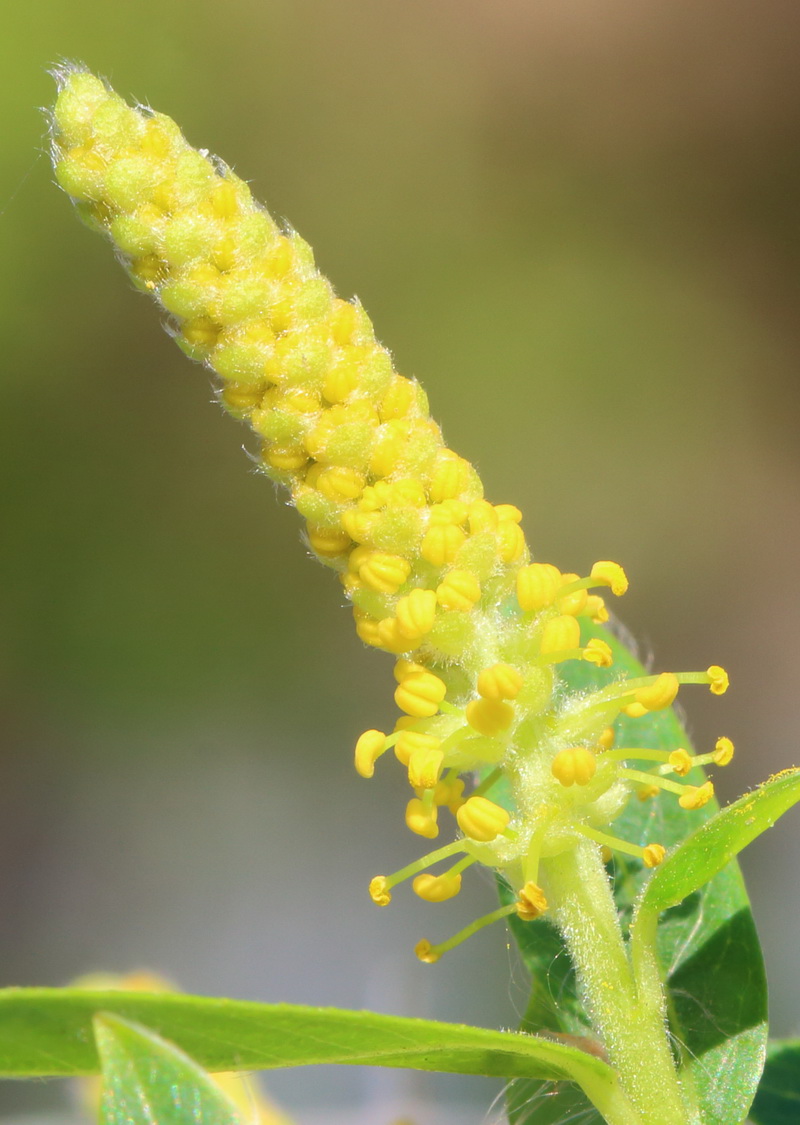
<point x="420" y="694"/>
<point x="574" y="766"/>
<point x="610" y="574"/>
<point x="426" y="952"/>
<point x="436" y="888"/>
<point x="441" y="543"/>
<point x="459" y="590"/>
<point x="537" y="586"/>
<point x="659" y="695"/>
<point x="379" y="891"/>
<point x="500" y="681"/>
<point x="384" y="573"/>
<point x="414" y="742"/>
<point x="719" y="681"/>
<point x="531" y="902"/>
<point x="653" y="855"/>
<point x="421" y="818"/>
<point x="424" y="767"/>
<point x="482" y="820"/>
<point x="598" y="652"/>
<point x="723" y="752"/>
<point x="416" y="613"/>
<point x="695" y="796"/>
<point x="680" y="761"/>
<point x="489" y="716"/>
<point x="369" y="748"/>
<point x="560" y="634"/>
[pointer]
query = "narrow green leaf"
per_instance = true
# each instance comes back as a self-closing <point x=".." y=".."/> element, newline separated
<point x="49" y="1032"/>
<point x="778" y="1097"/>
<point x="714" y="844"/>
<point x="147" y="1081"/>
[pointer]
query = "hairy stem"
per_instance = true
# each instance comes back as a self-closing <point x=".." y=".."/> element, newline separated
<point x="628" y="1014"/>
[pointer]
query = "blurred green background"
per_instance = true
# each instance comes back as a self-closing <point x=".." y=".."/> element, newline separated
<point x="577" y="224"/>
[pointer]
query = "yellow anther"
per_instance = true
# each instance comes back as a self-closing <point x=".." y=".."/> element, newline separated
<point x="718" y="677"/>
<point x="489" y="716"/>
<point x="424" y="767"/>
<point x="421" y="818"/>
<point x="660" y="694"/>
<point x="369" y="748"/>
<point x="606" y="739"/>
<point x="436" y="888"/>
<point x="647" y="791"/>
<point x="449" y="477"/>
<point x="358" y="525"/>
<point x="391" y="442"/>
<point x="449" y="511"/>
<point x="385" y="573"/>
<point x="289" y="457"/>
<point x="574" y="766"/>
<point x="575" y="602"/>
<point x="537" y="586"/>
<point x="366" y="628"/>
<point x="481" y="516"/>
<point x="420" y="694"/>
<point x="531" y="902"/>
<point x="510" y="541"/>
<point x="598" y="652"/>
<point x="406" y="493"/>
<point x="450" y="794"/>
<point x="606" y="854"/>
<point x="610" y="574"/>
<point x="328" y="541"/>
<point x="680" y="761"/>
<point x="482" y="820"/>
<point x="379" y="891"/>
<point x="653" y="854"/>
<point x="508" y="512"/>
<point x="405" y="668"/>
<point x="338" y="483"/>
<point x="340" y="382"/>
<point x="426" y="953"/>
<point x="391" y="638"/>
<point x="441" y="543"/>
<point x="343" y="321"/>
<point x="595" y="609"/>
<point x="560" y="634"/>
<point x="412" y="742"/>
<point x="416" y="613"/>
<point x="696" y="796"/>
<point x="635" y="710"/>
<point x="201" y="332"/>
<point x="723" y="752"/>
<point x="399" y="399"/>
<point x="459" y="590"/>
<point x="242" y="396"/>
<point x="500" y="681"/>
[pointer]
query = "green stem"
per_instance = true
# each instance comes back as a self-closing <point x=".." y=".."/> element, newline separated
<point x="628" y="1013"/>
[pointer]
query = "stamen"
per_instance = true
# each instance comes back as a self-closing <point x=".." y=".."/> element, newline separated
<point x="381" y="885"/>
<point x="430" y="954"/>
<point x="653" y="779"/>
<point x="482" y="820"/>
<point x="651" y="855"/>
<point x="531" y="902"/>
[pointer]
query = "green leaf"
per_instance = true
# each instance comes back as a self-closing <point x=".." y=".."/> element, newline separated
<point x="778" y="1097"/>
<point x="711" y="847"/>
<point x="49" y="1032"/>
<point x="147" y="1081"/>
<point x="708" y="946"/>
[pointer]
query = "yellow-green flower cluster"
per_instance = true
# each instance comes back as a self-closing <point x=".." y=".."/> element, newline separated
<point x="436" y="574"/>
